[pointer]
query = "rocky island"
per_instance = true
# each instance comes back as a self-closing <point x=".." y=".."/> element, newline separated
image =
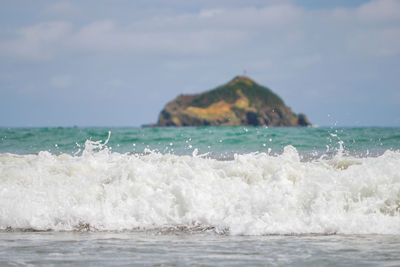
<point x="239" y="102"/>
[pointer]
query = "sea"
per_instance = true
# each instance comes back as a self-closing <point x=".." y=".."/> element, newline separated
<point x="200" y="196"/>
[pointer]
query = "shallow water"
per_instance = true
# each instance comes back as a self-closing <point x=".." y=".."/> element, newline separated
<point x="177" y="249"/>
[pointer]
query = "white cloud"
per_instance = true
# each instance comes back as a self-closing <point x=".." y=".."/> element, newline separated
<point x="209" y="13"/>
<point x="226" y="18"/>
<point x="106" y="36"/>
<point x="379" y="10"/>
<point x="37" y="42"/>
<point x="271" y="30"/>
<point x="208" y="31"/>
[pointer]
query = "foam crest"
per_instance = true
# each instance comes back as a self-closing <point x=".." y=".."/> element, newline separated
<point x="252" y="194"/>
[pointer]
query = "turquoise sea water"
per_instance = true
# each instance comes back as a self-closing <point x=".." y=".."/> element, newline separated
<point x="200" y="196"/>
<point x="213" y="140"/>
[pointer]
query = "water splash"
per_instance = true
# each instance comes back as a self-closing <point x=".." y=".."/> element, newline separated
<point x="251" y="194"/>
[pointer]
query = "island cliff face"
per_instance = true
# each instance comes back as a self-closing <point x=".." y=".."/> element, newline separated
<point x="239" y="102"/>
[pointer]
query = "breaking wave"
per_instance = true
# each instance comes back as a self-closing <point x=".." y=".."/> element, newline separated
<point x="251" y="194"/>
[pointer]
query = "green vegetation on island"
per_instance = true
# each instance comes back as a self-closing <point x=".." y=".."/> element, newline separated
<point x="239" y="102"/>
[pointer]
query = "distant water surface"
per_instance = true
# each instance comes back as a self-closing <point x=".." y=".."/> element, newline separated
<point x="215" y="140"/>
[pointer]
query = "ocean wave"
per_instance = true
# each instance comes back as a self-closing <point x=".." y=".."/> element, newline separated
<point x="251" y="194"/>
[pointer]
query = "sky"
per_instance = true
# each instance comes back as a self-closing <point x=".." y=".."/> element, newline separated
<point x="117" y="63"/>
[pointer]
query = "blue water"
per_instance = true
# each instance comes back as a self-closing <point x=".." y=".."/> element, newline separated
<point x="214" y="140"/>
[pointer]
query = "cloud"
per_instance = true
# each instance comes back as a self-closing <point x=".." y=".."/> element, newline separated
<point x="105" y="36"/>
<point x="273" y="30"/>
<point x="204" y="32"/>
<point x="38" y="42"/>
<point x="269" y="16"/>
<point x="379" y="11"/>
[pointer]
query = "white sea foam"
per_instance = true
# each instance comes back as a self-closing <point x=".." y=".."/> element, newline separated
<point x="253" y="194"/>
